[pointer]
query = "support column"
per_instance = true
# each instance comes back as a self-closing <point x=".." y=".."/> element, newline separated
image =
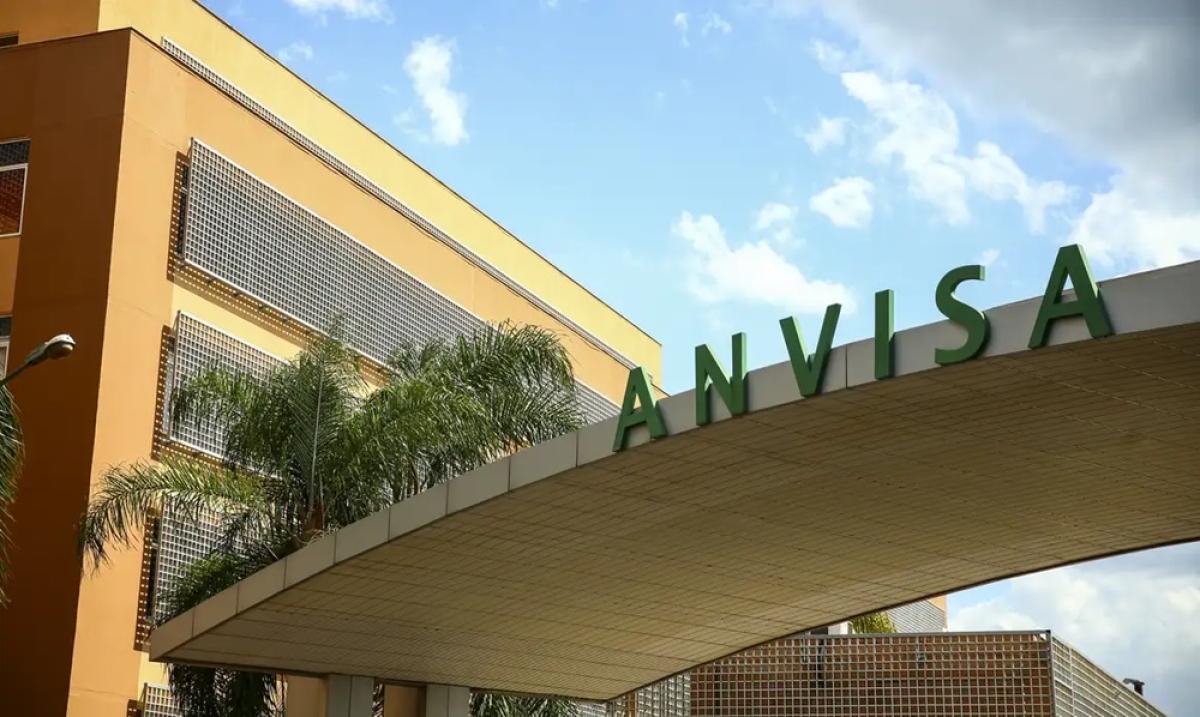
<point x="348" y="696"/>
<point x="445" y="701"/>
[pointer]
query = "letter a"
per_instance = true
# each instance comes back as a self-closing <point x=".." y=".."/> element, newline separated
<point x="639" y="407"/>
<point x="1071" y="263"/>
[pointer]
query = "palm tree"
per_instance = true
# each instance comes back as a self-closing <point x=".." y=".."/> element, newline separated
<point x="311" y="447"/>
<point x="873" y="624"/>
<point x="11" y="453"/>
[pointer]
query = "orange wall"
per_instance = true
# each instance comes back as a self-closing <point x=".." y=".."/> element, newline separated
<point x="91" y="105"/>
<point x="8" y="272"/>
<point x="69" y="97"/>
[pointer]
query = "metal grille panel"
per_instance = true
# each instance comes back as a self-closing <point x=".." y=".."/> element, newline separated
<point x="256" y="107"/>
<point x="158" y="702"/>
<point x="12" y="199"/>
<point x="966" y="675"/>
<point x="1082" y="689"/>
<point x="14" y="152"/>
<point x="921" y="616"/>
<point x="250" y="236"/>
<point x="181" y="542"/>
<point x="199" y="346"/>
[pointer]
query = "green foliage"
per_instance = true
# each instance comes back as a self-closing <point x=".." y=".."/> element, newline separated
<point x="310" y="448"/>
<point x="492" y="705"/>
<point x="11" y="455"/>
<point x="873" y="624"/>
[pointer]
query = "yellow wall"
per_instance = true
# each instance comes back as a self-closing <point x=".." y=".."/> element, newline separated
<point x="192" y="107"/>
<point x="255" y="72"/>
<point x="39" y="20"/>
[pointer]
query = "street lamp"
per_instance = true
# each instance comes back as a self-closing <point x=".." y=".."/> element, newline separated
<point x="56" y="348"/>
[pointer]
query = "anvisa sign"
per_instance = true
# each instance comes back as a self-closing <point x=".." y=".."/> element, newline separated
<point x="640" y="407"/>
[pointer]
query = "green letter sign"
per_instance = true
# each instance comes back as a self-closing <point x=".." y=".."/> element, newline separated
<point x="885" y="329"/>
<point x="639" y="407"/>
<point x="970" y="318"/>
<point x="731" y="389"/>
<point x="810" y="371"/>
<point x="1071" y="264"/>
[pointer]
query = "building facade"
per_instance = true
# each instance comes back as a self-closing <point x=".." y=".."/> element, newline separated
<point x="173" y="197"/>
<point x="1033" y="674"/>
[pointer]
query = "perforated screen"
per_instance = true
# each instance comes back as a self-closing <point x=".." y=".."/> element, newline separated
<point x="199" y="346"/>
<point x="253" y="238"/>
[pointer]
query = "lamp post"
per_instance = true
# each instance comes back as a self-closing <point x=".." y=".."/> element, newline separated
<point x="56" y="348"/>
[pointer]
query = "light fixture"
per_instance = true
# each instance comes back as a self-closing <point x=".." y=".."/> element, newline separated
<point x="58" y="347"/>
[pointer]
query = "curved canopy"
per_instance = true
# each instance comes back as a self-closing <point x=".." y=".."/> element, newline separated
<point x="570" y="569"/>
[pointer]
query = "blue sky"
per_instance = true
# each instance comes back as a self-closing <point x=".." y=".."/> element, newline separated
<point x="713" y="167"/>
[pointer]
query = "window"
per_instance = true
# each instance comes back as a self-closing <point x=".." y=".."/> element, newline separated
<point x="5" y="334"/>
<point x="14" y="165"/>
<point x="8" y="40"/>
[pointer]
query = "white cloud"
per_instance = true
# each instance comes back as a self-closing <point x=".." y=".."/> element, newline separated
<point x="919" y="131"/>
<point x="711" y="23"/>
<point x="373" y="10"/>
<point x="989" y="257"/>
<point x="1114" y="80"/>
<point x="750" y="273"/>
<point x="1136" y="229"/>
<point x="774" y="215"/>
<point x="715" y="23"/>
<point x="296" y="51"/>
<point x="846" y="203"/>
<point x="829" y="132"/>
<point x="778" y="221"/>
<point x="1134" y="615"/>
<point x="830" y="57"/>
<point x="429" y="66"/>
<point x="680" y="21"/>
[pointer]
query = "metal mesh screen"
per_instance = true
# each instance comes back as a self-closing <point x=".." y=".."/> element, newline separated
<point x="199" y="346"/>
<point x="1082" y="689"/>
<point x="966" y="675"/>
<point x="181" y="542"/>
<point x="157" y="702"/>
<point x="256" y="107"/>
<point x="250" y="236"/>
<point x="922" y="616"/>
<point x="12" y="199"/>
<point x="14" y="152"/>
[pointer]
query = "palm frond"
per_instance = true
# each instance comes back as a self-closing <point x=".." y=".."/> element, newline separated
<point x="130" y="494"/>
<point x="487" y="704"/>
<point x="208" y="692"/>
<point x="11" y="456"/>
